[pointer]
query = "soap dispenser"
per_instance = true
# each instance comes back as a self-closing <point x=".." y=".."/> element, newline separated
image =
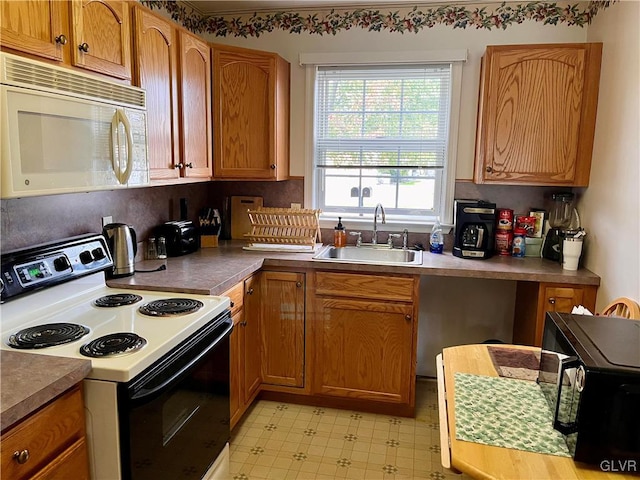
<point x="339" y="234"/>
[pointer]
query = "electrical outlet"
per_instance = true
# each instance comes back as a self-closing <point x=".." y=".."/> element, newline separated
<point x="107" y="220"/>
<point x="296" y="205"/>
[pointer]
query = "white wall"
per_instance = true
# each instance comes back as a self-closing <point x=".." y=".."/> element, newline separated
<point x="610" y="206"/>
<point x="440" y="37"/>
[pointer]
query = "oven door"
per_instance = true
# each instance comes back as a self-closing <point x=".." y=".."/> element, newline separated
<point x="174" y="417"/>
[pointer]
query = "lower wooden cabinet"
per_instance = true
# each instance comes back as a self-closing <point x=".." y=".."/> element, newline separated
<point x="534" y="299"/>
<point x="282" y="329"/>
<point x="244" y="346"/>
<point x="364" y="332"/>
<point x="50" y="443"/>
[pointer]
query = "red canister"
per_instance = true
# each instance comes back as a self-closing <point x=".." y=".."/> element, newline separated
<point x="505" y="219"/>
<point x="504" y="240"/>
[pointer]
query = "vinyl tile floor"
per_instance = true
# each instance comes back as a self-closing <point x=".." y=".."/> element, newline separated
<point x="286" y="441"/>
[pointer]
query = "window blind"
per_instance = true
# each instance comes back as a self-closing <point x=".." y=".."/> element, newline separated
<point x="382" y="116"/>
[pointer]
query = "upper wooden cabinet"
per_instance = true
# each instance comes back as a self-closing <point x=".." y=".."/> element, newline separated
<point x="251" y="114"/>
<point x="89" y="34"/>
<point x="156" y="70"/>
<point x="195" y="106"/>
<point x="101" y="39"/>
<point x="174" y="67"/>
<point x="36" y="27"/>
<point x="536" y="114"/>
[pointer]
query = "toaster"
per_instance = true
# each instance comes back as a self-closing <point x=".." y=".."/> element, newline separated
<point x="181" y="237"/>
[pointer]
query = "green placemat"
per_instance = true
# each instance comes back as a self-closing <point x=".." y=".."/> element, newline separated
<point x="505" y="413"/>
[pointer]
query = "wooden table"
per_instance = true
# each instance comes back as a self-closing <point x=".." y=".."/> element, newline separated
<point x="488" y="462"/>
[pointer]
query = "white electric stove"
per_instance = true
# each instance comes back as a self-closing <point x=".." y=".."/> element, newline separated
<point x="157" y="358"/>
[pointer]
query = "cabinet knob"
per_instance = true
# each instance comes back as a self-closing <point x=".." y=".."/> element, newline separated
<point x="189" y="165"/>
<point x="407" y="317"/>
<point x="272" y="166"/>
<point x="250" y="291"/>
<point x="489" y="169"/>
<point x="298" y="284"/>
<point x="21" y="457"/>
<point x="61" y="39"/>
<point x="178" y="165"/>
<point x="243" y="323"/>
<point x="552" y="300"/>
<point x="84" y="47"/>
<point x="231" y="304"/>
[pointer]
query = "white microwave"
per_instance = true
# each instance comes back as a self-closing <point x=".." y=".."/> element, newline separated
<point x="64" y="131"/>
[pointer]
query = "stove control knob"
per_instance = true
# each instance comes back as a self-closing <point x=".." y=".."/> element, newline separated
<point x="86" y="257"/>
<point x="61" y="264"/>
<point x="98" y="253"/>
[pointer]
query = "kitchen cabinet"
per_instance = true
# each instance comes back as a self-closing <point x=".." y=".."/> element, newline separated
<point x="36" y="27"/>
<point x="536" y="114"/>
<point x="50" y="443"/>
<point x="101" y="37"/>
<point x="534" y="299"/>
<point x="156" y="70"/>
<point x="195" y="106"/>
<point x="282" y="329"/>
<point x="250" y="114"/>
<point x="174" y="67"/>
<point x="245" y="371"/>
<point x="89" y="34"/>
<point x="364" y="337"/>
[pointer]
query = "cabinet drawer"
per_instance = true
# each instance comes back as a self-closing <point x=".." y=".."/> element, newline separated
<point x="44" y="434"/>
<point x="72" y="463"/>
<point x="236" y="294"/>
<point x="354" y="285"/>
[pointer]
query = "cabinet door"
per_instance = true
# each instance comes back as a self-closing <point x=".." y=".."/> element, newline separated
<point x="537" y="114"/>
<point x="101" y="40"/>
<point x="244" y="114"/>
<point x="283" y="328"/>
<point x="236" y="368"/>
<point x="252" y="369"/>
<point x="37" y="27"/>
<point x="156" y="70"/>
<point x="195" y="101"/>
<point x="363" y="349"/>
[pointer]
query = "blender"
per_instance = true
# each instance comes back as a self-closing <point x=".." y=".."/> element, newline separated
<point x="560" y="217"/>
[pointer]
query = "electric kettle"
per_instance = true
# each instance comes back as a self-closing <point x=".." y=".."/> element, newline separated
<point x="121" y="239"/>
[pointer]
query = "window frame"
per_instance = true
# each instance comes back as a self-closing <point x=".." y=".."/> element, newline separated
<point x="455" y="59"/>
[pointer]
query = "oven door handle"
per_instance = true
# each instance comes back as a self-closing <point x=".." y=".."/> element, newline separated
<point x="144" y="394"/>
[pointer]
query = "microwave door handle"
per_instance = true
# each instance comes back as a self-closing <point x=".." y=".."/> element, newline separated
<point x="566" y="428"/>
<point x="119" y="117"/>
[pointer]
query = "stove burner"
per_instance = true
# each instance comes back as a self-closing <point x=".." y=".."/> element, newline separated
<point x="48" y="335"/>
<point x="117" y="300"/>
<point x="171" y="306"/>
<point x="112" y="345"/>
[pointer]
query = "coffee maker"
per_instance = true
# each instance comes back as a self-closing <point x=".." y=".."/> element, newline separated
<point x="475" y="222"/>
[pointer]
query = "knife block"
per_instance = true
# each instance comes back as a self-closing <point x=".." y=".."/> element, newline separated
<point x="208" y="241"/>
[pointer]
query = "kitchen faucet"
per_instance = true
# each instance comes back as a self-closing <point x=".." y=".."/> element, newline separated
<point x="374" y="240"/>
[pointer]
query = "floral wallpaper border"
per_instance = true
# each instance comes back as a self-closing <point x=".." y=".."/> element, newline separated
<point x="412" y="20"/>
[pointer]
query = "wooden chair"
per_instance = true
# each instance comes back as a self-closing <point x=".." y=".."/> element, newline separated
<point x="622" y="307"/>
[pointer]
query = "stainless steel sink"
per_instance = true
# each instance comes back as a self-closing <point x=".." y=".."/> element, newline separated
<point x="370" y="255"/>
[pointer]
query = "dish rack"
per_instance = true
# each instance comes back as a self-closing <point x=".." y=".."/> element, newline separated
<point x="284" y="226"/>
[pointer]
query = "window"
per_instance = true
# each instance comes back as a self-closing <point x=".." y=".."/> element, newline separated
<point x="382" y="134"/>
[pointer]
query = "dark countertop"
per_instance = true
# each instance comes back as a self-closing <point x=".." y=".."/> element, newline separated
<point x="29" y="381"/>
<point x="212" y="271"/>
